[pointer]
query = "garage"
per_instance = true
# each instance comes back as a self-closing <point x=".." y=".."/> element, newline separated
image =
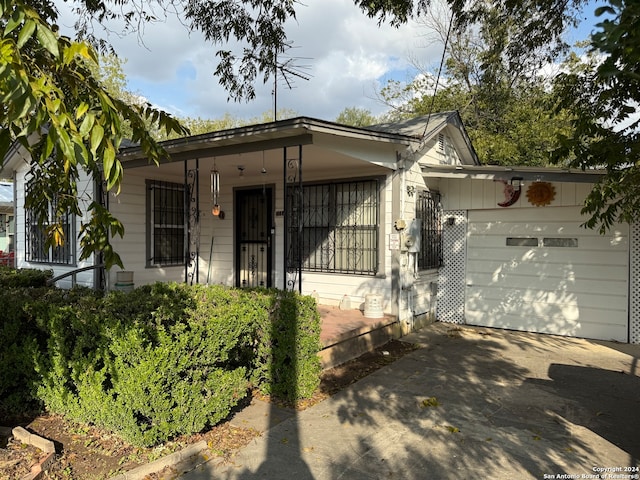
<point x="536" y="269"/>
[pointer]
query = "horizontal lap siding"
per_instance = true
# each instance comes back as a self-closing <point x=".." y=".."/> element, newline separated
<point x="578" y="291"/>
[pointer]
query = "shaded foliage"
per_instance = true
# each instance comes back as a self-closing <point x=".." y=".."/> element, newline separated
<point x="603" y="94"/>
<point x="161" y="361"/>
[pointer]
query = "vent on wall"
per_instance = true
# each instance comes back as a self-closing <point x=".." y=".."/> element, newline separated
<point x="441" y="142"/>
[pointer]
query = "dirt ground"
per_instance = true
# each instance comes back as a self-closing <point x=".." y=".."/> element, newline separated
<point x="87" y="453"/>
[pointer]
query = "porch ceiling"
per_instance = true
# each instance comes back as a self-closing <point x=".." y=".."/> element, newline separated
<point x="318" y="162"/>
<point x="326" y="147"/>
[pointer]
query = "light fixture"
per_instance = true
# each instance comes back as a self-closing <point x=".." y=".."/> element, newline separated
<point x="264" y="170"/>
<point x="215" y="190"/>
<point x="241" y="169"/>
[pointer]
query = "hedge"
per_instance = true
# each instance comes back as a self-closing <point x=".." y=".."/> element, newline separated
<point x="157" y="362"/>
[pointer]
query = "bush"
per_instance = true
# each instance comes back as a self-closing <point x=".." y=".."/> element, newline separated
<point x="163" y="360"/>
<point x="24" y="277"/>
<point x="286" y="362"/>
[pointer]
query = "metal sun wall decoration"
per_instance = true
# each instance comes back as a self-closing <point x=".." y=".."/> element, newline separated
<point x="541" y="193"/>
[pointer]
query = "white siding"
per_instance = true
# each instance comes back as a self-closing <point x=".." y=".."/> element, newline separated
<point x="129" y="206"/>
<point x="468" y="194"/>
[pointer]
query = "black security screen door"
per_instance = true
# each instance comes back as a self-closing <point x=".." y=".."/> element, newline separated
<point x="253" y="237"/>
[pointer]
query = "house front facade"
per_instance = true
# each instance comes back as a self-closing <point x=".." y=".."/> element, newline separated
<point x="329" y="210"/>
<point x="398" y="214"/>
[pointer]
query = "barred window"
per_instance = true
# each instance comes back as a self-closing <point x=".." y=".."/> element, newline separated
<point x="339" y="227"/>
<point x="428" y="210"/>
<point x="166" y="223"/>
<point x="35" y="236"/>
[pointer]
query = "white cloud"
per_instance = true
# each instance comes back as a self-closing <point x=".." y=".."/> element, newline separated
<point x="348" y="56"/>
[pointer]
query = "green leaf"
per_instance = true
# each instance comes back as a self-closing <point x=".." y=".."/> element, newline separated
<point x="604" y="10"/>
<point x="48" y="39"/>
<point x="27" y="32"/>
<point x="97" y="134"/>
<point x="87" y="124"/>
<point x="108" y="159"/>
<point x="81" y="110"/>
<point x="14" y="22"/>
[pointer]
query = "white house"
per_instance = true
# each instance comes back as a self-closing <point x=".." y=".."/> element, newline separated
<point x="400" y="213"/>
<point x="304" y="204"/>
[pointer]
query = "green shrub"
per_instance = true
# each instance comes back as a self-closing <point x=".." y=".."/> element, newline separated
<point x="24" y="277"/>
<point x="287" y="344"/>
<point x="161" y="361"/>
<point x="150" y="364"/>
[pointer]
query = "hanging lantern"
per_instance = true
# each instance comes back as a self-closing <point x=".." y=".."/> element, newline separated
<point x="215" y="191"/>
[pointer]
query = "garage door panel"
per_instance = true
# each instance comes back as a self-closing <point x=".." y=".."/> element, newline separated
<point x="535" y="282"/>
<point x="536" y="313"/>
<point x="538" y="255"/>
<point x="578" y="289"/>
<point x="557" y="325"/>
<point x="591" y="243"/>
<point x="517" y="299"/>
<point x="501" y="271"/>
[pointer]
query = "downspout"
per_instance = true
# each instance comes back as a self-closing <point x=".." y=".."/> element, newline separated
<point x="396" y="209"/>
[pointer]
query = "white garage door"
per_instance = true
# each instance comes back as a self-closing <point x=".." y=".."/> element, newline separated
<point x="536" y="269"/>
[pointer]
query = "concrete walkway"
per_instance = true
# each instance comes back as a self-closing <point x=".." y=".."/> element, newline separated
<point x="472" y="403"/>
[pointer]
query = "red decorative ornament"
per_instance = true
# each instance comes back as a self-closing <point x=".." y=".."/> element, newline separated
<point x="511" y="194"/>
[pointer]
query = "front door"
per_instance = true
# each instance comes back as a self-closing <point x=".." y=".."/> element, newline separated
<point x="253" y="237"/>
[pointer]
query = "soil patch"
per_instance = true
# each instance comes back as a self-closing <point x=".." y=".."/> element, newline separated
<point x="89" y="453"/>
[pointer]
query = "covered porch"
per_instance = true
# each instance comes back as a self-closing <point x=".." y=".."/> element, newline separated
<point x="299" y="204"/>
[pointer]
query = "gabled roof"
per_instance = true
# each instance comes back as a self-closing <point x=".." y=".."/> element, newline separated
<point x="418" y="127"/>
<point x="426" y="127"/>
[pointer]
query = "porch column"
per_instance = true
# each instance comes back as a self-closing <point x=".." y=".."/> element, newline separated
<point x="192" y="221"/>
<point x="292" y="171"/>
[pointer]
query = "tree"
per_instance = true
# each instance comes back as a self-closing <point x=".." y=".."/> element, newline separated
<point x="603" y="94"/>
<point x="258" y="27"/>
<point x="54" y="107"/>
<point x="356" y="117"/>
<point x="504" y="103"/>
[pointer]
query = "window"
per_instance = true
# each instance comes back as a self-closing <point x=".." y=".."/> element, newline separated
<point x="339" y="227"/>
<point x="35" y="236"/>
<point x="166" y="223"/>
<point x="428" y="210"/>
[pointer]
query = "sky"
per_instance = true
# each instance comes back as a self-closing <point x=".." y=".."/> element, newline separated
<point x="347" y="57"/>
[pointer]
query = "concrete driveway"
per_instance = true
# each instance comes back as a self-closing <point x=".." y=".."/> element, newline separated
<point x="471" y="403"/>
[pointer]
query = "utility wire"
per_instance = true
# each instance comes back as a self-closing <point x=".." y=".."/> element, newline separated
<point x="435" y="90"/>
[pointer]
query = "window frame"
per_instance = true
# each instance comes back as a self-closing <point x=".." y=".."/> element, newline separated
<point x="35" y="237"/>
<point x="327" y="237"/>
<point x="428" y="209"/>
<point x="161" y="259"/>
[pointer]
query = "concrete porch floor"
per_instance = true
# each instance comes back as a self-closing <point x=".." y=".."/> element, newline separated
<point x="347" y="334"/>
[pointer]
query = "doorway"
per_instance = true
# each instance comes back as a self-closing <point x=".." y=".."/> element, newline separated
<point x="254" y="229"/>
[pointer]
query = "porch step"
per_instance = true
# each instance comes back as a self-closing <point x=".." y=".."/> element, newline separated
<point x="347" y="335"/>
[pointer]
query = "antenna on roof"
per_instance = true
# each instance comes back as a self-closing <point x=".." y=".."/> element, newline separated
<point x="289" y="71"/>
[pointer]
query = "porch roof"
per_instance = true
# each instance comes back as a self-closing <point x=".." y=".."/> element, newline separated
<point x="266" y="136"/>
<point x="499" y="172"/>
